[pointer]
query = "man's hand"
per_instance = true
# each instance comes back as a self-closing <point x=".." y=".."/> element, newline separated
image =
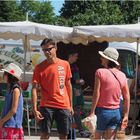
<point x="38" y="116"/>
<point x="72" y="111"/>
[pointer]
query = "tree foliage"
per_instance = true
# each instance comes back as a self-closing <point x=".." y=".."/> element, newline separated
<point x="37" y="11"/>
<point x="9" y="11"/>
<point x="87" y="12"/>
<point x="130" y="10"/>
<point x="73" y="13"/>
<point x="45" y="14"/>
<point x="41" y="12"/>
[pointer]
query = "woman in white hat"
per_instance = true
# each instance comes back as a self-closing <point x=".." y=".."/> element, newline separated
<point x="110" y="83"/>
<point x="12" y="114"/>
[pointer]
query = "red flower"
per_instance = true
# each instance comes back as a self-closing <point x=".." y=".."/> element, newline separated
<point x="12" y="71"/>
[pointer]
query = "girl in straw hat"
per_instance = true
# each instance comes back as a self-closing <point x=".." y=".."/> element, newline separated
<point x="11" y="120"/>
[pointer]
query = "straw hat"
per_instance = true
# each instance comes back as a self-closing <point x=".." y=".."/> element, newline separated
<point x="14" y="70"/>
<point x="110" y="54"/>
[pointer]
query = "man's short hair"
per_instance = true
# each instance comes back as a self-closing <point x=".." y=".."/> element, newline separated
<point x="47" y="41"/>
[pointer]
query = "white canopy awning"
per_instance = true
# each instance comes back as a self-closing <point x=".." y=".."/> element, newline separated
<point x="128" y="32"/>
<point x="34" y="31"/>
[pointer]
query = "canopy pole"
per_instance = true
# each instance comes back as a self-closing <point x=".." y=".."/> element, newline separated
<point x="25" y="51"/>
<point x="26" y="16"/>
<point x="135" y="90"/>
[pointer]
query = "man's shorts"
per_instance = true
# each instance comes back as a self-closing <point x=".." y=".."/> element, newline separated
<point x="107" y="119"/>
<point x="61" y="116"/>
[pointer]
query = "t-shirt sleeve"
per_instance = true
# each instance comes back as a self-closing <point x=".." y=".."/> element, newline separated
<point x="98" y="73"/>
<point x="68" y="74"/>
<point x="16" y="86"/>
<point x="36" y="76"/>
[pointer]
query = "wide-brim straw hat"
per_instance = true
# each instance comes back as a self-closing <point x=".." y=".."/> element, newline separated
<point x="14" y="70"/>
<point x="110" y="54"/>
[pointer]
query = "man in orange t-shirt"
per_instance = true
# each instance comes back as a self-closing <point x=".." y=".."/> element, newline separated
<point x="53" y="76"/>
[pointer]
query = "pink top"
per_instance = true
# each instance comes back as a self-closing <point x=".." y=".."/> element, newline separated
<point x="110" y="91"/>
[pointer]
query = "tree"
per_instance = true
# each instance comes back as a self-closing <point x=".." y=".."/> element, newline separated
<point x="38" y="11"/>
<point x="9" y="11"/>
<point x="130" y="10"/>
<point x="29" y="7"/>
<point x="86" y="12"/>
<point x="45" y="14"/>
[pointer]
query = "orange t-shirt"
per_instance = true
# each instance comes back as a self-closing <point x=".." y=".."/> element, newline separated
<point x="52" y="78"/>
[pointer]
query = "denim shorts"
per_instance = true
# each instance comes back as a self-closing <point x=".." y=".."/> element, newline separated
<point x="61" y="116"/>
<point x="107" y="118"/>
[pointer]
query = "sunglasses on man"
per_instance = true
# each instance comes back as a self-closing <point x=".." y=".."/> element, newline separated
<point x="47" y="49"/>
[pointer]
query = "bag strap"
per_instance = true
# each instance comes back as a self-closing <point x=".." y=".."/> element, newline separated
<point x="116" y="78"/>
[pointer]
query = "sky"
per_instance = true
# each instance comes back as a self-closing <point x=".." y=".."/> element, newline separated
<point x="57" y="4"/>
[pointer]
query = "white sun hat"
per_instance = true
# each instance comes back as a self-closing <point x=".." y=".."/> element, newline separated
<point x="14" y="70"/>
<point x="110" y="54"/>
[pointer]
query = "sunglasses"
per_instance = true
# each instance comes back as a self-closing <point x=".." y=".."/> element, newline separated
<point x="47" y="49"/>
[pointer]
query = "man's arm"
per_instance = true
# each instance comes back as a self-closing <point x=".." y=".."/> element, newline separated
<point x="69" y="90"/>
<point x="37" y="114"/>
<point x="34" y="96"/>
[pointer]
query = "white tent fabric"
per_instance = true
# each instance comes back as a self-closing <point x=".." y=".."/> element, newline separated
<point x="109" y="33"/>
<point x="35" y="31"/>
<point x="77" y="34"/>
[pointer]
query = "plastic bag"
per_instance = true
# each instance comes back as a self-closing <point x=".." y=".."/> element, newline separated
<point x="90" y="123"/>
